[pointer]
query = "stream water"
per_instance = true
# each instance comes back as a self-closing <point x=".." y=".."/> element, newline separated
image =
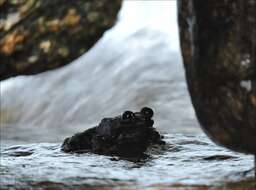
<point x="137" y="63"/>
<point x="186" y="162"/>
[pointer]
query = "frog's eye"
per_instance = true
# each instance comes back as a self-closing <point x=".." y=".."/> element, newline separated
<point x="127" y="115"/>
<point x="147" y="112"/>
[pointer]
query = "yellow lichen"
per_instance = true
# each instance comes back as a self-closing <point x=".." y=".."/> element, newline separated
<point x="71" y="18"/>
<point x="45" y="46"/>
<point x="10" y="41"/>
<point x="54" y="25"/>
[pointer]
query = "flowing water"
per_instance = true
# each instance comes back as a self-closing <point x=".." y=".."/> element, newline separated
<point x="137" y="63"/>
<point x="186" y="162"/>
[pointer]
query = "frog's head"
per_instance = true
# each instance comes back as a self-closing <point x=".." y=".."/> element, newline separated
<point x="144" y="117"/>
<point x="128" y="121"/>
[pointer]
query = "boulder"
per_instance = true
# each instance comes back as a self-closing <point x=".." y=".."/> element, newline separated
<point x="218" y="42"/>
<point x="41" y="35"/>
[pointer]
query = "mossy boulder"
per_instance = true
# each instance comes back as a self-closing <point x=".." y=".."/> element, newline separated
<point x="40" y="35"/>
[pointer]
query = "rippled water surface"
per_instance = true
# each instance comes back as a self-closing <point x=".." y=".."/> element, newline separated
<point x="186" y="162"/>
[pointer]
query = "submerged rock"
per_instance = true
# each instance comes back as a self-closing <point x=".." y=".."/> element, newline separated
<point x="129" y="135"/>
<point x="41" y="35"/>
<point x="218" y="41"/>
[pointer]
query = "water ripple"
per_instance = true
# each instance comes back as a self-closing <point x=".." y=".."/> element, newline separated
<point x="186" y="161"/>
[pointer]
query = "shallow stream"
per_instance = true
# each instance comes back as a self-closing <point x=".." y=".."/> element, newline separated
<point x="186" y="162"/>
<point x="137" y="63"/>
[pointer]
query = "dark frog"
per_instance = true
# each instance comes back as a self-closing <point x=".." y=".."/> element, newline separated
<point x="129" y="134"/>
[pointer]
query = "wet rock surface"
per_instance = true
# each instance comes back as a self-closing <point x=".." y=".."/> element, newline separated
<point x="128" y="135"/>
<point x="218" y="40"/>
<point x="36" y="36"/>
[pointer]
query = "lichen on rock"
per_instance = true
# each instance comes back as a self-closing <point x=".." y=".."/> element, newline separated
<point x="36" y="36"/>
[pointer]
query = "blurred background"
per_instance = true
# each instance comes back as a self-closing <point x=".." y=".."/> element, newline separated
<point x="136" y="63"/>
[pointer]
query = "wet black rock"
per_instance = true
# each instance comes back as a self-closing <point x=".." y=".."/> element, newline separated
<point x="128" y="135"/>
<point x="218" y="42"/>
